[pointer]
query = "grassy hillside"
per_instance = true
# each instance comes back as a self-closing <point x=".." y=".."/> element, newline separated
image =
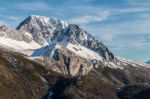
<point x="21" y="78"/>
<point x="90" y="86"/>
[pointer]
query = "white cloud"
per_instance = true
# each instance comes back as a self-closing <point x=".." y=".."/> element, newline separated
<point x="119" y="26"/>
<point x="138" y="1"/>
<point x="129" y="44"/>
<point x="2" y="8"/>
<point x="118" y="33"/>
<point x="132" y="9"/>
<point x="88" y="18"/>
<point x="33" y="6"/>
<point x="104" y="34"/>
<point x="109" y="31"/>
<point x="139" y="26"/>
<point x="13" y="18"/>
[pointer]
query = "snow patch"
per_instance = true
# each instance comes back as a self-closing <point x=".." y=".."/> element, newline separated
<point x="133" y="63"/>
<point x="18" y="45"/>
<point x="112" y="65"/>
<point x="46" y="50"/>
<point x="83" y="52"/>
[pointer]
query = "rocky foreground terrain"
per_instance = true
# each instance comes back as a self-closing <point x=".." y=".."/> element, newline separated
<point x="47" y="58"/>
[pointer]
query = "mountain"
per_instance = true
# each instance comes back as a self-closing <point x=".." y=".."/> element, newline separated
<point x="50" y="30"/>
<point x="66" y="59"/>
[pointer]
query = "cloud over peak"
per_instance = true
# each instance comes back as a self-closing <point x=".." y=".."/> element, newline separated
<point x="90" y="18"/>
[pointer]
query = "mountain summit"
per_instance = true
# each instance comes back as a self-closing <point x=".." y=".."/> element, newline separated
<point x="42" y="28"/>
<point x="51" y="30"/>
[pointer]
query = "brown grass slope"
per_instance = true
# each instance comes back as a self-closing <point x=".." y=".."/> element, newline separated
<point x="25" y="81"/>
<point x="30" y="80"/>
<point x="21" y="78"/>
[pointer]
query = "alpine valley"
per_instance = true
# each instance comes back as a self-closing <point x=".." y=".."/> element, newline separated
<point x="47" y="58"/>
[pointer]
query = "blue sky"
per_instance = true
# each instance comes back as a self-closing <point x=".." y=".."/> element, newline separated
<point x="123" y="25"/>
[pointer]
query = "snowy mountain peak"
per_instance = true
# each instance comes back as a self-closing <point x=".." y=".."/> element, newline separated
<point x="56" y="41"/>
<point x="46" y="30"/>
<point x="42" y="28"/>
<point x="42" y="21"/>
<point x="53" y="21"/>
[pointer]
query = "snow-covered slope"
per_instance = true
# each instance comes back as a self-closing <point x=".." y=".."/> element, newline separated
<point x="133" y="63"/>
<point x="17" y="40"/>
<point x="51" y="30"/>
<point x="46" y="50"/>
<point x="18" y="45"/>
<point x="42" y="28"/>
<point x="83" y="52"/>
<point x="77" y="49"/>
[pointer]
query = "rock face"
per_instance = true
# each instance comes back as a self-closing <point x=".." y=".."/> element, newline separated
<point x="42" y="28"/>
<point x="48" y="30"/>
<point x="15" y="34"/>
<point x="69" y="63"/>
<point x="63" y="60"/>
<point x="70" y="37"/>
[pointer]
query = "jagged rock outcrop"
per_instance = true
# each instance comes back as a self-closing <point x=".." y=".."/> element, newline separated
<point x="47" y="30"/>
<point x="42" y="28"/>
<point x="64" y="61"/>
<point x="15" y="34"/>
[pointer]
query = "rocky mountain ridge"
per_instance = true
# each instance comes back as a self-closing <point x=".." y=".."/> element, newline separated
<point x="49" y="30"/>
<point x="50" y="40"/>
